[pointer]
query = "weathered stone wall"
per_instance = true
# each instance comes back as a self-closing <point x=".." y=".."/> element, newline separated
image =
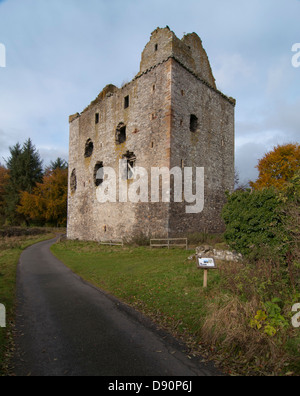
<point x="211" y="146"/>
<point x="188" y="51"/>
<point x="175" y="81"/>
<point x="147" y="121"/>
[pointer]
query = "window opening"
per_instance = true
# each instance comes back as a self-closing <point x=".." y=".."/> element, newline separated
<point x="89" y="148"/>
<point x="131" y="160"/>
<point x="126" y="102"/>
<point x="73" y="181"/>
<point x="193" y="123"/>
<point x="98" y="174"/>
<point x="121" y="133"/>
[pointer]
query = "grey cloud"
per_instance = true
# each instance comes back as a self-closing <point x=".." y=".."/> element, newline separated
<point x="49" y="154"/>
<point x="60" y="54"/>
<point x="247" y="157"/>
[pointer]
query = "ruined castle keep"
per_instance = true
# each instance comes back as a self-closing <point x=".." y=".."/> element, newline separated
<point x="170" y="115"/>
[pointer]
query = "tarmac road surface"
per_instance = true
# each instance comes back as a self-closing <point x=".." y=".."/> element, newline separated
<point x="67" y="327"/>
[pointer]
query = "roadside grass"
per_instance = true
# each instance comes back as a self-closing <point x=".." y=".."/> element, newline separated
<point x="161" y="283"/>
<point x="167" y="287"/>
<point x="10" y="251"/>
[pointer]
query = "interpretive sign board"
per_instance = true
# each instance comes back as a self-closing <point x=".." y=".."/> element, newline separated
<point x="206" y="263"/>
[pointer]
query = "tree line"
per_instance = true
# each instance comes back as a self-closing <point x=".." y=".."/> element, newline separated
<point x="30" y="194"/>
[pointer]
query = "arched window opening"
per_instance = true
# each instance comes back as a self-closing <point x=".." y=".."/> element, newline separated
<point x="121" y="133"/>
<point x="89" y="148"/>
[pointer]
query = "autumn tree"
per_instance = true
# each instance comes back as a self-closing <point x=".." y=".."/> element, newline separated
<point x="277" y="167"/>
<point x="48" y="201"/>
<point x="25" y="170"/>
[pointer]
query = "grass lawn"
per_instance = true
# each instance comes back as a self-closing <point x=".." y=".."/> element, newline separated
<point x="10" y="251"/>
<point x="168" y="288"/>
<point x="161" y="283"/>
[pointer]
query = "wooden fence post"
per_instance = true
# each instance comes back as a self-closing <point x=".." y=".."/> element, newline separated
<point x="205" y="278"/>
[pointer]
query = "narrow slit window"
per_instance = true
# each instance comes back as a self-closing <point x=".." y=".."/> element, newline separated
<point x="156" y="47"/>
<point x="126" y="102"/>
<point x="98" y="174"/>
<point x="97" y="119"/>
<point x="73" y="181"/>
<point x="131" y="160"/>
<point x="193" y="123"/>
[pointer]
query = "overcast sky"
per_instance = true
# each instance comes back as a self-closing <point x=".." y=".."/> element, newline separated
<point x="61" y="53"/>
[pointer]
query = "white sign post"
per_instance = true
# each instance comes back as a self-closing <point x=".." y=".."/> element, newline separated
<point x="206" y="264"/>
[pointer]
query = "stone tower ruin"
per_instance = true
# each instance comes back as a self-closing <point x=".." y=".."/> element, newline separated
<point x="170" y="115"/>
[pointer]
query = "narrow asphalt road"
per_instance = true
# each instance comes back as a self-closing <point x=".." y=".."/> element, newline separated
<point x="66" y="327"/>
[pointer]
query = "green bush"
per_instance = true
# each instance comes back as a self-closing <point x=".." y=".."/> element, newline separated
<point x="254" y="223"/>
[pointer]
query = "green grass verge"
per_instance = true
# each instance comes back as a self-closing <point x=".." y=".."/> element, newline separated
<point x="10" y="251"/>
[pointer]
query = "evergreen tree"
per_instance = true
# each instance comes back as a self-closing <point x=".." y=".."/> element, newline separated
<point x="25" y="170"/>
<point x="59" y="163"/>
<point x="3" y="182"/>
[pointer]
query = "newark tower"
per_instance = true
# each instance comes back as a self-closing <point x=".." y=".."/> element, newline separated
<point x="171" y="115"/>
